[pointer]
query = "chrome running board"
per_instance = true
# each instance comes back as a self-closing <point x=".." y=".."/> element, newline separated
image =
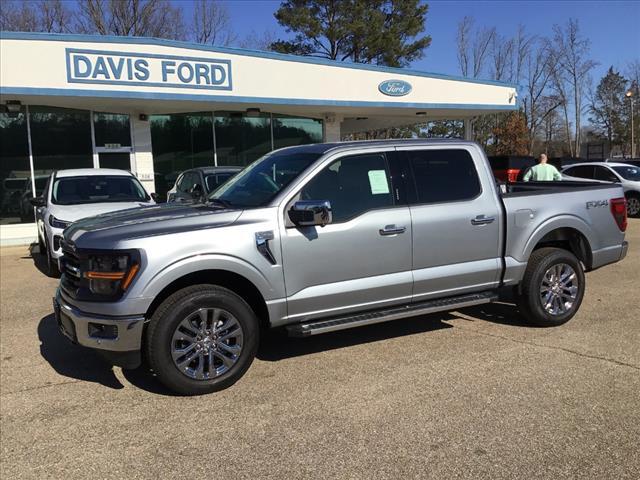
<point x="317" y="327"/>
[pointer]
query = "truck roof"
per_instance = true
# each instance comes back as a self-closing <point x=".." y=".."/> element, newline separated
<point x="325" y="147"/>
<point x="91" y="172"/>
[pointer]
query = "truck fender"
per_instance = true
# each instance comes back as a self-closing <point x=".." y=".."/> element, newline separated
<point x="198" y="263"/>
<point x="556" y="223"/>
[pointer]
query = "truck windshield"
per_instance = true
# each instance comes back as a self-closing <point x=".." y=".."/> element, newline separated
<point x="97" y="189"/>
<point x="628" y="173"/>
<point x="261" y="181"/>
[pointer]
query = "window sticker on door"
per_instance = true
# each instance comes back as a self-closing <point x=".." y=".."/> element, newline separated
<point x="378" y="182"/>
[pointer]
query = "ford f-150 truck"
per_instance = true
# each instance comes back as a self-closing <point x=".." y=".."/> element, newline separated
<point x="326" y="237"/>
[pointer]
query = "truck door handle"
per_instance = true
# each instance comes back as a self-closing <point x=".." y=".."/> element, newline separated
<point x="391" y="230"/>
<point x="482" y="220"/>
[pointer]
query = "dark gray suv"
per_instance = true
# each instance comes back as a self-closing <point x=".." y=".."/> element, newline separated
<point x="197" y="183"/>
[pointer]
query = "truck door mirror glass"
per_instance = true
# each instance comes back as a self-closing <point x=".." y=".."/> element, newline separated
<point x="37" y="202"/>
<point x="308" y="213"/>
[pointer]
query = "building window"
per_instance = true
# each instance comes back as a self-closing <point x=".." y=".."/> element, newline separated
<point x="15" y="171"/>
<point x="179" y="142"/>
<point x="112" y="130"/>
<point x="60" y="139"/>
<point x="290" y="131"/>
<point x="241" y="139"/>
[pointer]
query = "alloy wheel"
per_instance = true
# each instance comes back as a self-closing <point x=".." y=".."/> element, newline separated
<point x="207" y="343"/>
<point x="559" y="289"/>
<point x="633" y="206"/>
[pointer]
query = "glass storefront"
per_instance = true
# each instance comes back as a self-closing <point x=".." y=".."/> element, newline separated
<point x="112" y="130"/>
<point x="179" y="141"/>
<point x="15" y="171"/>
<point x="290" y="131"/>
<point x="241" y="139"/>
<point x="60" y="138"/>
<point x="63" y="138"/>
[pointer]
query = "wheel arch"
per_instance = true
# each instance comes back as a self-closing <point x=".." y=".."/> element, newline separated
<point x="233" y="281"/>
<point x="570" y="239"/>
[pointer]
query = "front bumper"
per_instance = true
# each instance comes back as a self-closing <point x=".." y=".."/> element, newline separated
<point x="102" y="332"/>
<point x="54" y="238"/>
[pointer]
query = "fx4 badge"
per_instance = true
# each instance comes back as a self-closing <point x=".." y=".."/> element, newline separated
<point x="597" y="203"/>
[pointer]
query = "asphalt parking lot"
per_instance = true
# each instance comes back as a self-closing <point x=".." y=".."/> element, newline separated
<point x="469" y="394"/>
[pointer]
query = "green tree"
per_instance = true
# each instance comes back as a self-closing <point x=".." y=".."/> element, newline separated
<point x="607" y="108"/>
<point x="382" y="32"/>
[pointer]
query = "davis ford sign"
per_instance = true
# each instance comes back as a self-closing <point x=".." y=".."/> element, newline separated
<point x="395" y="88"/>
<point x="148" y="70"/>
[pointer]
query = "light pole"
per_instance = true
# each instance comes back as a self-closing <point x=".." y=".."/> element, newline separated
<point x="629" y="94"/>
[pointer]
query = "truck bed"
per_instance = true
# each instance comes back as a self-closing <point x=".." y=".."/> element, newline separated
<point x="534" y="209"/>
<point x="519" y="189"/>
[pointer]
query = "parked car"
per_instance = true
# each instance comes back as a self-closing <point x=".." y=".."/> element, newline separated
<point x="561" y="162"/>
<point x="12" y="190"/>
<point x="325" y="237"/>
<point x="628" y="161"/>
<point x="626" y="175"/>
<point x="198" y="183"/>
<point x="510" y="168"/>
<point x="70" y="195"/>
<point x="26" y="209"/>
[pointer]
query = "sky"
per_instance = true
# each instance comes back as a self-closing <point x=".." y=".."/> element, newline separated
<point x="612" y="26"/>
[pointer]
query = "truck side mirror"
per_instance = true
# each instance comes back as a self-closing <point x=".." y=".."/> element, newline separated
<point x="309" y="213"/>
<point x="37" y="202"/>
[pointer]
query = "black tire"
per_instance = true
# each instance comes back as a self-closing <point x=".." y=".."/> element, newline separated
<point x="51" y="266"/>
<point x="530" y="298"/>
<point x="168" y="317"/>
<point x="41" y="246"/>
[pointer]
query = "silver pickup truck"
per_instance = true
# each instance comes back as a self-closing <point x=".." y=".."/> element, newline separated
<point x="326" y="237"/>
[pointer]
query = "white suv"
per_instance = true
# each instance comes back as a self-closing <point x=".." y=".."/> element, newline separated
<point x="71" y="195"/>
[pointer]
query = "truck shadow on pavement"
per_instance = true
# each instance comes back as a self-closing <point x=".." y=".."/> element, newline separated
<point x="81" y="363"/>
<point x="39" y="261"/>
<point x="71" y="360"/>
<point x="276" y="345"/>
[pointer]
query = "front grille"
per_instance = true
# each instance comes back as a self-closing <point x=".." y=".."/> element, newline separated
<point x="72" y="274"/>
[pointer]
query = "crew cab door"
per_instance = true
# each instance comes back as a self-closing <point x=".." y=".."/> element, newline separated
<point x="456" y="224"/>
<point x="362" y="259"/>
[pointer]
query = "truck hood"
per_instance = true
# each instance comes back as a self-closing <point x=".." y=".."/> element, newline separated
<point x="104" y="230"/>
<point x="73" y="213"/>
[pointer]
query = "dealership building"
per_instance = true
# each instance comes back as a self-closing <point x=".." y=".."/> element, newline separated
<point x="157" y="107"/>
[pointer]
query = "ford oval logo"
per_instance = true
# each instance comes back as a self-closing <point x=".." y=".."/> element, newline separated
<point x="395" y="88"/>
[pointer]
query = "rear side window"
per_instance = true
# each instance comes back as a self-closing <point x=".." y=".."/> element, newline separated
<point x="583" y="171"/>
<point x="603" y="173"/>
<point x="354" y="185"/>
<point x="444" y="175"/>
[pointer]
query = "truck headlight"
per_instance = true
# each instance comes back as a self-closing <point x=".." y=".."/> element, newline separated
<point x="109" y="274"/>
<point x="56" y="223"/>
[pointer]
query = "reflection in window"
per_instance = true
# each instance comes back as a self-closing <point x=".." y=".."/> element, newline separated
<point x="15" y="174"/>
<point x="180" y="142"/>
<point x="353" y="185"/>
<point x="60" y="139"/>
<point x="290" y="131"/>
<point x="112" y="130"/>
<point x="240" y="139"/>
<point x="118" y="160"/>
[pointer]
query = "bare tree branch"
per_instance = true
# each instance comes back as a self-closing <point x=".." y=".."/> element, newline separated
<point x="463" y="42"/>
